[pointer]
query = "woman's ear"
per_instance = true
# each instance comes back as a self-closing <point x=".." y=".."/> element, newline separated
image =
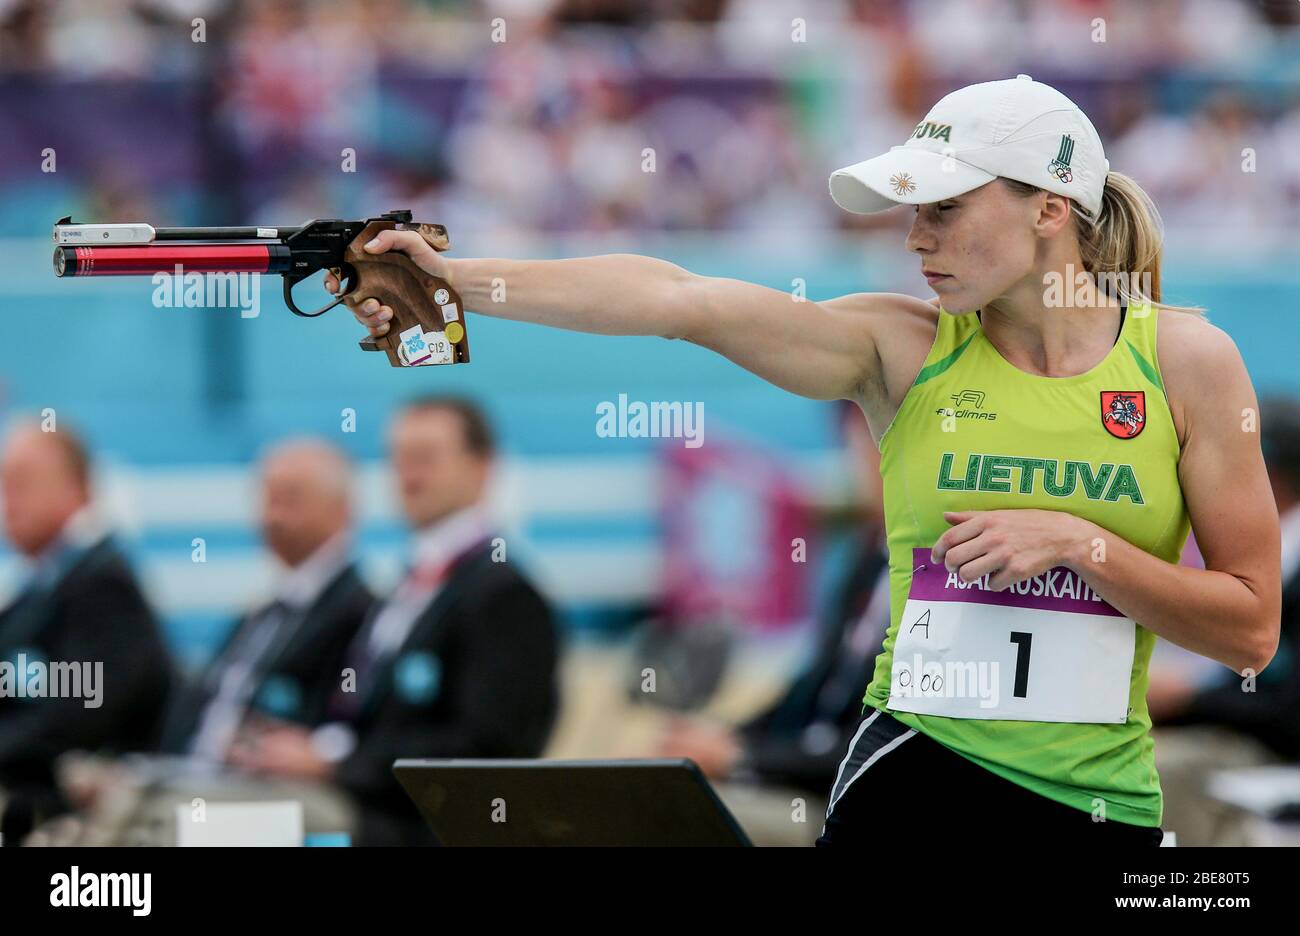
<point x="1053" y="214"/>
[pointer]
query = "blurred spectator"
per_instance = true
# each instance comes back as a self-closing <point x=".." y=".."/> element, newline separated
<point x="460" y="661"/>
<point x="791" y="749"/>
<point x="79" y="623"/>
<point x="1235" y="722"/>
<point x="283" y="659"/>
<point x="1226" y="181"/>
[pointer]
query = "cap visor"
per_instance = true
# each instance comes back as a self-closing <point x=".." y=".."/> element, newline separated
<point x="903" y="176"/>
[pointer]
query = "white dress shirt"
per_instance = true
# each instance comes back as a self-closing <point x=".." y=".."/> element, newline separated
<point x="300" y="586"/>
<point x="80" y="532"/>
<point x="435" y="546"/>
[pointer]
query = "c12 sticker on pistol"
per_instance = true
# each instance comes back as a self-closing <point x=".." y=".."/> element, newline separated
<point x="418" y="347"/>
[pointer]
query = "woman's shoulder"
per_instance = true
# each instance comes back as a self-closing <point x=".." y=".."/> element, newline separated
<point x="890" y="307"/>
<point x="1196" y="359"/>
<point x="903" y="329"/>
<point x="1188" y="341"/>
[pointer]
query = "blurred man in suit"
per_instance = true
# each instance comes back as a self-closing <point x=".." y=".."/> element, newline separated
<point x="460" y="661"/>
<point x="278" y="667"/>
<point x="791" y="749"/>
<point x="282" y="660"/>
<point x="79" y="610"/>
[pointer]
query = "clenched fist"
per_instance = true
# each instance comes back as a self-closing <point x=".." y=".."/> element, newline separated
<point x="368" y="311"/>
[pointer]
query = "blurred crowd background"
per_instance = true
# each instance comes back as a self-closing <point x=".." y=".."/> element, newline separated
<point x="532" y="135"/>
<point x="543" y="132"/>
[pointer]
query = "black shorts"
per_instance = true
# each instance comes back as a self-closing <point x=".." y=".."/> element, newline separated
<point x="899" y="788"/>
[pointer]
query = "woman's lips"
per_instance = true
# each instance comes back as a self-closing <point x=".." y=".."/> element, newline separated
<point x="933" y="278"/>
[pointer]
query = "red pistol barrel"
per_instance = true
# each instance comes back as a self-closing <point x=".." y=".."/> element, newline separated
<point x="146" y="259"/>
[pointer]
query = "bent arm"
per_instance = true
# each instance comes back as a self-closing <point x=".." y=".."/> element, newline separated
<point x="820" y="350"/>
<point x="1229" y="611"/>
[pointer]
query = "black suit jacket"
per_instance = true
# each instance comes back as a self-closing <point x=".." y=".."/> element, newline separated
<point x="1270" y="714"/>
<point x="475" y="677"/>
<point x="294" y="678"/>
<point x="94" y="612"/>
<point x="830" y="688"/>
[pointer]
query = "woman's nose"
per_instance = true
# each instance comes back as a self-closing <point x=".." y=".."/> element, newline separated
<point x="920" y="239"/>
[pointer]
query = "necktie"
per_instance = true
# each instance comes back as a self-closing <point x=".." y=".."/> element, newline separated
<point x="384" y="635"/>
<point x="233" y="681"/>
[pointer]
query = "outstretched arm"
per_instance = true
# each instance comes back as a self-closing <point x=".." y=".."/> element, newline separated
<point x="823" y="350"/>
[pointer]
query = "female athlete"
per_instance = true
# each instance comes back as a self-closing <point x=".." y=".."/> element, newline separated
<point x="1043" y="460"/>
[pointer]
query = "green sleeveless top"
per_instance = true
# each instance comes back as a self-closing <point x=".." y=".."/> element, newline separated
<point x="975" y="432"/>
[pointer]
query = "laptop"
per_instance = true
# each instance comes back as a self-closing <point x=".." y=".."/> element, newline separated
<point x="655" y="803"/>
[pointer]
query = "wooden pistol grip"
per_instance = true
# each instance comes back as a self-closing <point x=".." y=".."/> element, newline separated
<point x="418" y="300"/>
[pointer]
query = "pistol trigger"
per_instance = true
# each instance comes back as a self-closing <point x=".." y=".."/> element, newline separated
<point x="288" y="301"/>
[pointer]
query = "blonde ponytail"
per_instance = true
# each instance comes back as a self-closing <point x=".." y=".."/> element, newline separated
<point x="1124" y="244"/>
<point x="1126" y="240"/>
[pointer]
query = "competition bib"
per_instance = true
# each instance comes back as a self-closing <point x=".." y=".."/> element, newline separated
<point x="1046" y="649"/>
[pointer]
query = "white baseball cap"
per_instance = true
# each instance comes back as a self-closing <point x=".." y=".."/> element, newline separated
<point x="1017" y="128"/>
